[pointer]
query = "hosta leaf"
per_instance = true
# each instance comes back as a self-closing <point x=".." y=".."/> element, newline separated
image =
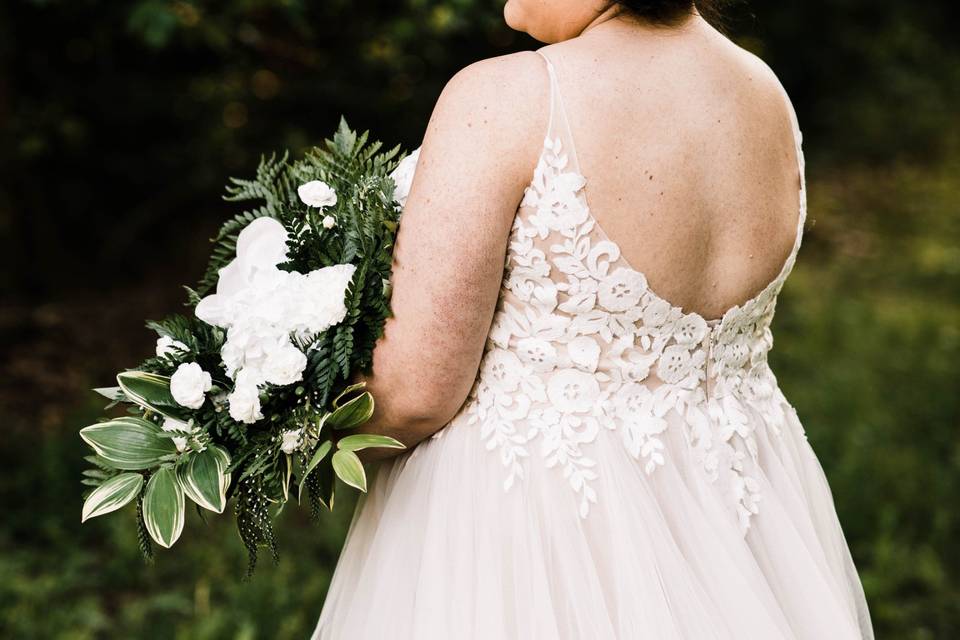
<point x="225" y="463"/>
<point x="112" y="393"/>
<point x="347" y="393"/>
<point x="202" y="477"/>
<point x="163" y="507"/>
<point x="317" y="458"/>
<point x="361" y="441"/>
<point x="348" y="468"/>
<point x="287" y="476"/>
<point x="128" y="443"/>
<point x="151" y="391"/>
<point x="111" y="495"/>
<point x="353" y="413"/>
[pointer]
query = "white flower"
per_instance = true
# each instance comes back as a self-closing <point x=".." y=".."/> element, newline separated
<point x="690" y="330"/>
<point x="189" y="384"/>
<point x="245" y="400"/>
<point x="674" y="364"/>
<point x="502" y="369"/>
<point x="329" y="222"/>
<point x="656" y="313"/>
<point x="573" y="391"/>
<point x="317" y="193"/>
<point x="584" y="352"/>
<point x="284" y="365"/>
<point x="318" y="302"/>
<point x="169" y="424"/>
<point x="168" y="346"/>
<point x="403" y="177"/>
<point x="269" y="305"/>
<point x="261" y="246"/>
<point x="555" y="198"/>
<point x="538" y="353"/>
<point x="621" y="290"/>
<point x="291" y="440"/>
<point x="634" y="405"/>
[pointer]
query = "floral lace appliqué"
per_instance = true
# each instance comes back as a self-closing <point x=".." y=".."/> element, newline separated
<point x="580" y="344"/>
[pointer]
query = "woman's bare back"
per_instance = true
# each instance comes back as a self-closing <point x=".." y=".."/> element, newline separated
<point x="687" y="146"/>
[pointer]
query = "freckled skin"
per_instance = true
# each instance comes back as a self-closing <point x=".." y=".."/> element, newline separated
<point x="710" y="225"/>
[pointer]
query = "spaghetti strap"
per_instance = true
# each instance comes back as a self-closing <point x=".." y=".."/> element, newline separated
<point x="801" y="168"/>
<point x="558" y="127"/>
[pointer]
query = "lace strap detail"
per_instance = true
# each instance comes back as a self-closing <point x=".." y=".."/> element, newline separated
<point x="558" y="127"/>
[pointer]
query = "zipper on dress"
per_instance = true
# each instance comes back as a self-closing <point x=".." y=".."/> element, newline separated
<point x="706" y="364"/>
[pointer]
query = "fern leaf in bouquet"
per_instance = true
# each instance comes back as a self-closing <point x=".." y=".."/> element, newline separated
<point x="242" y="397"/>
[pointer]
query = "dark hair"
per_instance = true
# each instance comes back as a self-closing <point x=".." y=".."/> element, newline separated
<point x="667" y="12"/>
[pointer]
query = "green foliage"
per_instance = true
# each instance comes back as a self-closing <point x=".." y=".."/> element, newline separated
<point x="151" y="392"/>
<point x="254" y="520"/>
<point x="112" y="494"/>
<point x="218" y="447"/>
<point x="163" y="507"/>
<point x="204" y="478"/>
<point x="318" y="455"/>
<point x="353" y="413"/>
<point x="348" y="468"/>
<point x="360" y="441"/>
<point x="128" y="443"/>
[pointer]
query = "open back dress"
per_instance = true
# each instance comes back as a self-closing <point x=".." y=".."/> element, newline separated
<point x="621" y="468"/>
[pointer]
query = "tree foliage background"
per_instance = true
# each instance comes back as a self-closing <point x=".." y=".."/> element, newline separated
<point x="120" y="121"/>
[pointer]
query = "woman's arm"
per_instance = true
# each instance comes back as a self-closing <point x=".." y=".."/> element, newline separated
<point x="478" y="154"/>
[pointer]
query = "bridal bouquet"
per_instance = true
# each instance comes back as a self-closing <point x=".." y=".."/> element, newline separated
<point x="249" y="397"/>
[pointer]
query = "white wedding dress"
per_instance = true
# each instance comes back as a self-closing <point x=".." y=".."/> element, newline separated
<point x="621" y="469"/>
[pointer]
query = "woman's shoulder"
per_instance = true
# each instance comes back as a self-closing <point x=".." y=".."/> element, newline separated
<point x="498" y="106"/>
<point x="516" y="68"/>
<point x="504" y="89"/>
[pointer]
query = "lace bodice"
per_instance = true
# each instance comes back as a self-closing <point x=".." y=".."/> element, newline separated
<point x="580" y="344"/>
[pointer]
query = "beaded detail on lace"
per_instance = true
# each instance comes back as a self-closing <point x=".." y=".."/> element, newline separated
<point x="580" y="344"/>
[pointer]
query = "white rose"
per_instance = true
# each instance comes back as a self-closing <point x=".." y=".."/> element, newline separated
<point x="169" y="424"/>
<point x="291" y="441"/>
<point x="245" y="400"/>
<point x="168" y="346"/>
<point x="189" y="384"/>
<point x="284" y="365"/>
<point x="403" y="177"/>
<point x="317" y="193"/>
<point x="329" y="222"/>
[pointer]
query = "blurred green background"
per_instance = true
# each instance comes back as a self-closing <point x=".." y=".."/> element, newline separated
<point x="120" y="122"/>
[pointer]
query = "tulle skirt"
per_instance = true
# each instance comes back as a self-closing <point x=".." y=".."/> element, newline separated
<point x="438" y="549"/>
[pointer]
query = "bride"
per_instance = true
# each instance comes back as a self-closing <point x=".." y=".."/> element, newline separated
<point x="585" y="279"/>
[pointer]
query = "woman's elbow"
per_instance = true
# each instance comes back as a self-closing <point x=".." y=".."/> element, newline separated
<point x="416" y="410"/>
